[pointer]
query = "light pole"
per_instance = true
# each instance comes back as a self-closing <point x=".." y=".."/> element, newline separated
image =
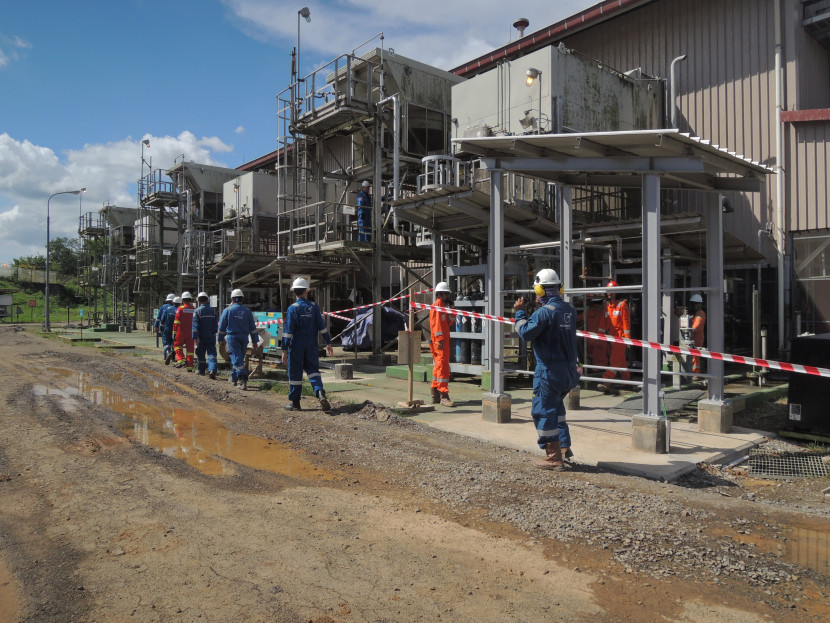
<point x="304" y="12"/>
<point x="63" y="192"/>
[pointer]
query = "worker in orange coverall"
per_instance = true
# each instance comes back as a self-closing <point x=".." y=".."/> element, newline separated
<point x="439" y="345"/>
<point x="183" y="333"/>
<point x="698" y="330"/>
<point x="617" y="324"/>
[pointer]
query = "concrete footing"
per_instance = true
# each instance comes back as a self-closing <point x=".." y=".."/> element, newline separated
<point x="649" y="434"/>
<point x="380" y="360"/>
<point x="714" y="416"/>
<point x="496" y="407"/>
<point x="343" y="371"/>
<point x="572" y="400"/>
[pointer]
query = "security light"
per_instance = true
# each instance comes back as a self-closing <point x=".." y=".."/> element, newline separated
<point x="532" y="74"/>
<point x="304" y="12"/>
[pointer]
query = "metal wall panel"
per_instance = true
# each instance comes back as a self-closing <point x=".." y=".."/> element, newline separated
<point x="726" y="88"/>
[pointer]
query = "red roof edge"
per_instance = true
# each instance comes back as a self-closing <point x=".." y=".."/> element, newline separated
<point x="258" y="163"/>
<point x="546" y="36"/>
<point x="801" y="116"/>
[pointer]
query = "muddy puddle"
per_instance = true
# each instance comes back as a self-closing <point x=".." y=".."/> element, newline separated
<point x="8" y="597"/>
<point x="192" y="435"/>
<point x="807" y="545"/>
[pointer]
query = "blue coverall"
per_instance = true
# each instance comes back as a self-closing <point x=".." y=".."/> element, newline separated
<point x="164" y="324"/>
<point x="364" y="216"/>
<point x="236" y="324"/>
<point x="205" y="325"/>
<point x="303" y="323"/>
<point x="552" y="329"/>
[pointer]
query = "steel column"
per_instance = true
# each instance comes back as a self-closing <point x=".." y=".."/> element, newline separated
<point x="566" y="239"/>
<point x="651" y="292"/>
<point x="437" y="258"/>
<point x="495" y="285"/>
<point x="714" y="302"/>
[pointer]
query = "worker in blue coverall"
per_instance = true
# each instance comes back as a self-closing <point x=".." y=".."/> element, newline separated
<point x="303" y="323"/>
<point x="166" y="327"/>
<point x="364" y="213"/>
<point x="552" y="329"/>
<point x="235" y="325"/>
<point x="158" y="325"/>
<point x="205" y="326"/>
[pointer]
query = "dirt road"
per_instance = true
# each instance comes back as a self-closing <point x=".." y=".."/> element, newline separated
<point x="132" y="491"/>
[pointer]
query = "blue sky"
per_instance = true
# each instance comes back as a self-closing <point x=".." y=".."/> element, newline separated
<point x="83" y="82"/>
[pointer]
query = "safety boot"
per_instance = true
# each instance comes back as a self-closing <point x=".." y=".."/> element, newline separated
<point x="553" y="459"/>
<point x="436" y="396"/>
<point x="294" y="405"/>
<point x="324" y="402"/>
<point x="213" y="374"/>
<point x="169" y="358"/>
<point x="244" y="384"/>
<point x="232" y="381"/>
<point x="567" y="454"/>
<point x="445" y="400"/>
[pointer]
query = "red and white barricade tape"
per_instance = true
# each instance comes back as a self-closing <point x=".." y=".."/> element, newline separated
<point x="367" y="306"/>
<point x="709" y="354"/>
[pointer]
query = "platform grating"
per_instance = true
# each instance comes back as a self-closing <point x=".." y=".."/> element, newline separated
<point x="772" y="464"/>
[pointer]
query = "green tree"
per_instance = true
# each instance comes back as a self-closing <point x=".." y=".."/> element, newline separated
<point x="63" y="257"/>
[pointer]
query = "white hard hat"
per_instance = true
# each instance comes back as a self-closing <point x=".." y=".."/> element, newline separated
<point x="300" y="283"/>
<point x="177" y="300"/>
<point x="443" y="287"/>
<point x="696" y="298"/>
<point x="365" y="184"/>
<point x="202" y="295"/>
<point x="547" y="277"/>
<point x="187" y="295"/>
<point x="237" y="294"/>
<point x="170" y="297"/>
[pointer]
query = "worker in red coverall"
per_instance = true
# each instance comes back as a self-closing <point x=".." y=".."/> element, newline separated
<point x="183" y="333"/>
<point x="617" y="324"/>
<point x="698" y="330"/>
<point x="597" y="350"/>
<point x="439" y="345"/>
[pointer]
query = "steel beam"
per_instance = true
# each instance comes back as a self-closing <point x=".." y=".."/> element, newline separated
<point x="495" y="285"/>
<point x="566" y="239"/>
<point x="714" y="303"/>
<point x="651" y="293"/>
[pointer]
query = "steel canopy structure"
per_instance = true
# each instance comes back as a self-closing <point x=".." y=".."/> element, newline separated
<point x="648" y="159"/>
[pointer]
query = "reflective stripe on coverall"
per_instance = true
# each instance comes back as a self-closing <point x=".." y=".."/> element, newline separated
<point x="205" y="326"/>
<point x="439" y="329"/>
<point x="617" y="324"/>
<point x="183" y="334"/>
<point x="552" y="329"/>
<point x="303" y="323"/>
<point x="235" y="325"/>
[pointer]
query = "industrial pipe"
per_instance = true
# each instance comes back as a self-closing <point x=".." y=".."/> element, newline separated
<point x="673" y="90"/>
<point x="779" y="157"/>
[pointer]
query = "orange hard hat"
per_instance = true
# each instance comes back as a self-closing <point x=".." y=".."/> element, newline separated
<point x="612" y="284"/>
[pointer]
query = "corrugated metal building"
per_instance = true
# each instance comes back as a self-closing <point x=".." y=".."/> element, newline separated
<point x="756" y="80"/>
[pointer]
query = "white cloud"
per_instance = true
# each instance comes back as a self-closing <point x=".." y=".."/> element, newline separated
<point x="239" y="129"/>
<point x="11" y="49"/>
<point x="440" y="33"/>
<point x="30" y="173"/>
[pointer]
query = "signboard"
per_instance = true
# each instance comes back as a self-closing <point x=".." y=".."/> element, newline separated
<point x="32" y="303"/>
<point x="349" y="210"/>
<point x="6" y="299"/>
<point x="82" y="313"/>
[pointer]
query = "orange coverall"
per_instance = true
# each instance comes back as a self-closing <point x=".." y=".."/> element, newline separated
<point x="617" y="324"/>
<point x="439" y="329"/>
<point x="698" y="334"/>
<point x="183" y="334"/>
